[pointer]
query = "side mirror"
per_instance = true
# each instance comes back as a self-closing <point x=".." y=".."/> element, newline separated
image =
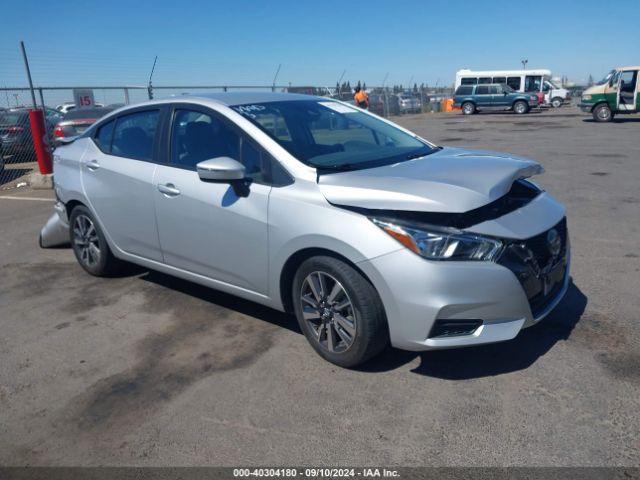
<point x="221" y="169"/>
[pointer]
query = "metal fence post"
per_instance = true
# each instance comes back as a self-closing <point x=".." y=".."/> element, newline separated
<point x="126" y="96"/>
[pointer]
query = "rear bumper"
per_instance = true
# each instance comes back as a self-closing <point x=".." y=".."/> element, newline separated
<point x="55" y="232"/>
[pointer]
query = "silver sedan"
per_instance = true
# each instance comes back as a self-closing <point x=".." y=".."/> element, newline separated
<point x="368" y="233"/>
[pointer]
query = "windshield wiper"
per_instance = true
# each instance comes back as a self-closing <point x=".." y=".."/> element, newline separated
<point x="422" y="154"/>
<point x="342" y="167"/>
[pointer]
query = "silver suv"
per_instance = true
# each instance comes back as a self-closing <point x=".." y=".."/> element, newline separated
<point x="370" y="234"/>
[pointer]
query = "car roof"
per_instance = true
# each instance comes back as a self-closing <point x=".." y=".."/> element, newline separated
<point x="239" y="98"/>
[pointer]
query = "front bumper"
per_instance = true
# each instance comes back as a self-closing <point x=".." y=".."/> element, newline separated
<point x="586" y="107"/>
<point x="417" y="293"/>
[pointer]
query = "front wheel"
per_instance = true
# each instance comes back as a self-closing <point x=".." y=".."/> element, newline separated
<point x="556" y="102"/>
<point x="520" y="107"/>
<point x="339" y="311"/>
<point x="468" y="108"/>
<point x="602" y="113"/>
<point x="89" y="244"/>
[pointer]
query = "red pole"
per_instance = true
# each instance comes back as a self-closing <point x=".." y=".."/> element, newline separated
<point x="40" y="143"/>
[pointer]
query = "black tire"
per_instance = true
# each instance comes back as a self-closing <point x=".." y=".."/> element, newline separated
<point x="521" y="107"/>
<point x="365" y="308"/>
<point x="104" y="264"/>
<point x="468" y="108"/>
<point x="556" y="102"/>
<point x="602" y="113"/>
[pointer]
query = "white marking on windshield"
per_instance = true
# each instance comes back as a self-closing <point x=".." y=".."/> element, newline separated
<point x="338" y="107"/>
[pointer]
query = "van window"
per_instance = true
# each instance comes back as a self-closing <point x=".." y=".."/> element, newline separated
<point x="482" y="90"/>
<point x="499" y="79"/>
<point x="135" y="134"/>
<point x="484" y="80"/>
<point x="514" y="82"/>
<point x="532" y="83"/>
<point x="468" y="81"/>
<point x="495" y="89"/>
<point x="464" y="90"/>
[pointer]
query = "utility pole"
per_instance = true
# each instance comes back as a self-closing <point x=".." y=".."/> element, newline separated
<point x="524" y="63"/>
<point x="273" y="86"/>
<point x="26" y="64"/>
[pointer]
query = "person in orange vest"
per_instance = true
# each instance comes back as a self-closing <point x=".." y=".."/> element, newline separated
<point x="361" y="98"/>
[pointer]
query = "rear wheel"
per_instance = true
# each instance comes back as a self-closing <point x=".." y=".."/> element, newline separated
<point x="468" y="108"/>
<point x="520" y="107"/>
<point x="89" y="244"/>
<point x="339" y="311"/>
<point x="602" y="113"/>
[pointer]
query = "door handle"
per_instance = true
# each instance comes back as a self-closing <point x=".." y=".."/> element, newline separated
<point x="168" y="189"/>
<point x="93" y="165"/>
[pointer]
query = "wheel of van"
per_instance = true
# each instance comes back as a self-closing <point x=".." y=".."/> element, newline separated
<point x="468" y="108"/>
<point x="520" y="107"/>
<point x="89" y="244"/>
<point x="556" y="102"/>
<point x="602" y="113"/>
<point x="339" y="311"/>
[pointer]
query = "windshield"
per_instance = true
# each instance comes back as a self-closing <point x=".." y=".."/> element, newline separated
<point x="606" y="78"/>
<point x="332" y="136"/>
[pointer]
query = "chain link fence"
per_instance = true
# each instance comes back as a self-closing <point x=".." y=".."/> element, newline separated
<point x="17" y="154"/>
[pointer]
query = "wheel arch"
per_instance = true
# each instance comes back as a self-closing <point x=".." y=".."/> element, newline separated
<point x="296" y="259"/>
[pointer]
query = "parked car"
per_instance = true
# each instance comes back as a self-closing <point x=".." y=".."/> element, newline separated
<point x="77" y="121"/>
<point x="476" y="98"/>
<point x="66" y="107"/>
<point x="408" y="103"/>
<point x="15" y="132"/>
<point x="369" y="234"/>
<point x="380" y="105"/>
<point x="620" y="94"/>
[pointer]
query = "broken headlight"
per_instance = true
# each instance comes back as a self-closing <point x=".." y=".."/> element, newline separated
<point x="435" y="244"/>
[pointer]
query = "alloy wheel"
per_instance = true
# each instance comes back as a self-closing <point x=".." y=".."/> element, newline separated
<point x="85" y="238"/>
<point x="603" y="113"/>
<point x="328" y="312"/>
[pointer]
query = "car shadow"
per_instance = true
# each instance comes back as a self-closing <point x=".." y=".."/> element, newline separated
<point x="493" y="359"/>
<point x="634" y="119"/>
<point x="218" y="298"/>
<point x="10" y="174"/>
<point x="452" y="364"/>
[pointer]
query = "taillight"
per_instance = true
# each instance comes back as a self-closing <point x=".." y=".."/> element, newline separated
<point x="14" y="130"/>
<point x="58" y="131"/>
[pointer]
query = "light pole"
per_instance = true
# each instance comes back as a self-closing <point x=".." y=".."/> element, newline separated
<point x="524" y="64"/>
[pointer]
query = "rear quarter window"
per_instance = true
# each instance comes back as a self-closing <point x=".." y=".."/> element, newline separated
<point x="103" y="136"/>
<point x="464" y="90"/>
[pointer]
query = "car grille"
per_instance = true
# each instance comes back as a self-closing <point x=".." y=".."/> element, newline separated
<point x="540" y="271"/>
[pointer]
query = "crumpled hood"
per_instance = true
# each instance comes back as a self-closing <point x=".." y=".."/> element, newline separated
<point x="451" y="180"/>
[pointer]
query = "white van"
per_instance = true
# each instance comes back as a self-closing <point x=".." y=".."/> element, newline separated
<point x="530" y="81"/>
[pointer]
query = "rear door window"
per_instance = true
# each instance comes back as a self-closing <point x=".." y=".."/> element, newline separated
<point x="134" y="135"/>
<point x="482" y="90"/>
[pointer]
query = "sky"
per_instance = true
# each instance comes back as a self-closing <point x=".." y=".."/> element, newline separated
<point x="114" y="42"/>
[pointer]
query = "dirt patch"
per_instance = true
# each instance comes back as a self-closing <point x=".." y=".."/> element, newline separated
<point x="600" y="174"/>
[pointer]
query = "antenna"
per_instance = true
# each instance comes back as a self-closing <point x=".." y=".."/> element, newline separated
<point x="273" y="86"/>
<point x="339" y="82"/>
<point x="149" y="86"/>
<point x="385" y="79"/>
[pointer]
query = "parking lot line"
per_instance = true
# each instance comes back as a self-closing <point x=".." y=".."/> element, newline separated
<point x="10" y="197"/>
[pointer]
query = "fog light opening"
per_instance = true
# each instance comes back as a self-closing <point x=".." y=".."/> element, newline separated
<point x="454" y="328"/>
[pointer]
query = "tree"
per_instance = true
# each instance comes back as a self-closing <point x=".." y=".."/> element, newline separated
<point x="415" y="88"/>
<point x="364" y="86"/>
<point x="359" y="85"/>
<point x="590" y="81"/>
